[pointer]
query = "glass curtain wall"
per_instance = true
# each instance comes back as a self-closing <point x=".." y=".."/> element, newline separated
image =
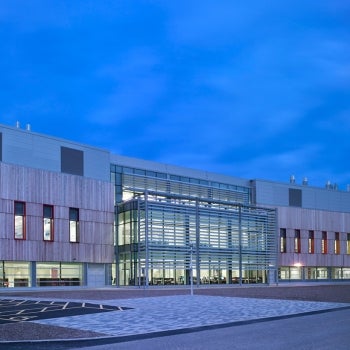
<point x="228" y="242"/>
<point x="18" y="274"/>
<point x="130" y="182"/>
<point x="313" y="273"/>
<point x="14" y="274"/>
<point x="59" y="274"/>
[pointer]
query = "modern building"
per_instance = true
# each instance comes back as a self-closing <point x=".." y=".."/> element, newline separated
<point x="72" y="214"/>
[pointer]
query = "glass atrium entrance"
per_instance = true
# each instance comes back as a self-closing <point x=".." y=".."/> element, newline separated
<point x="162" y="238"/>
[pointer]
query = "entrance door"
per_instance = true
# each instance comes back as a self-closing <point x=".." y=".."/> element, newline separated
<point x="96" y="275"/>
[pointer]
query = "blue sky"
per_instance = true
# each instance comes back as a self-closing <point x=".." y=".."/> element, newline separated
<point x="254" y="89"/>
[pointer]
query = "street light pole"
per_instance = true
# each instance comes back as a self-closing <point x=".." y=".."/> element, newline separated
<point x="191" y="268"/>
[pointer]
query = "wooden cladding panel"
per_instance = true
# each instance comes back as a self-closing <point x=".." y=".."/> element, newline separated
<point x="309" y="219"/>
<point x="39" y="186"/>
<point x="7" y="227"/>
<point x="93" y="198"/>
<point x="289" y="259"/>
<point x="55" y="251"/>
<point x="318" y="221"/>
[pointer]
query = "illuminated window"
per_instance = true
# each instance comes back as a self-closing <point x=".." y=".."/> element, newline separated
<point x="348" y="244"/>
<point x="311" y="242"/>
<point x="73" y="225"/>
<point x="336" y="243"/>
<point x="20" y="220"/>
<point x="324" y="245"/>
<point x="297" y="245"/>
<point x="283" y="240"/>
<point x="48" y="222"/>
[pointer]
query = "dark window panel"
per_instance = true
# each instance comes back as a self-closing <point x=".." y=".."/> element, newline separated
<point x="72" y="161"/>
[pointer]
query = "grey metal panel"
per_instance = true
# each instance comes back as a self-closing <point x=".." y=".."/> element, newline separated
<point x="267" y="193"/>
<point x="0" y="147"/>
<point x="327" y="199"/>
<point x="277" y="194"/>
<point x="96" y="164"/>
<point x="25" y="148"/>
<point x="22" y="148"/>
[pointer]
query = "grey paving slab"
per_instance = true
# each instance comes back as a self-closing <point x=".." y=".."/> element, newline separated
<point x="158" y="314"/>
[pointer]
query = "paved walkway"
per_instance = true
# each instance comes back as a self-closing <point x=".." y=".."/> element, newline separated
<point x="158" y="314"/>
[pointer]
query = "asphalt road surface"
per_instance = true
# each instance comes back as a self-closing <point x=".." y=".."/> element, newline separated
<point x="16" y="310"/>
<point x="330" y="330"/>
<point x="322" y="331"/>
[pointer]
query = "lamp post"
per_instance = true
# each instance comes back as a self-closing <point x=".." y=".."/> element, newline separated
<point x="191" y="268"/>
